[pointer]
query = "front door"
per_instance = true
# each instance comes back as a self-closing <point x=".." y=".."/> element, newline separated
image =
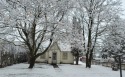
<point x="54" y="58"/>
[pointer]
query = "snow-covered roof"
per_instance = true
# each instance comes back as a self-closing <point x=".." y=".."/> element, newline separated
<point x="64" y="46"/>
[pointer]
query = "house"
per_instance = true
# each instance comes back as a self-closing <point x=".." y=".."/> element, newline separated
<point x="56" y="54"/>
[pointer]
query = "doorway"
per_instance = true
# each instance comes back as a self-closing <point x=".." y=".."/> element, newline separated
<point x="54" y="58"/>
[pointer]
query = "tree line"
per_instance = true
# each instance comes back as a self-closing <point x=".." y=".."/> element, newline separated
<point x="11" y="54"/>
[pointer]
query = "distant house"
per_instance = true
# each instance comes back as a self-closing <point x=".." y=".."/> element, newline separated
<point x="56" y="54"/>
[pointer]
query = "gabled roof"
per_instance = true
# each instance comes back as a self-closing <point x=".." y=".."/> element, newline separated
<point x="55" y="44"/>
<point x="64" y="46"/>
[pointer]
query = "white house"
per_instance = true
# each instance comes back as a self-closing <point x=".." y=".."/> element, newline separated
<point x="56" y="54"/>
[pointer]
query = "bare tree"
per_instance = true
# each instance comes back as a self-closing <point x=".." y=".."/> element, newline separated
<point x="95" y="16"/>
<point x="35" y="23"/>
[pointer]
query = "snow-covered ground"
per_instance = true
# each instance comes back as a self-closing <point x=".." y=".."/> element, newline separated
<point x="64" y="70"/>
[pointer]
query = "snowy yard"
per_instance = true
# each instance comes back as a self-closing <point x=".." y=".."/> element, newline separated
<point x="64" y="70"/>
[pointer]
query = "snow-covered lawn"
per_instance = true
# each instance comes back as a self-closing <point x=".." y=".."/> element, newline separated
<point x="64" y="70"/>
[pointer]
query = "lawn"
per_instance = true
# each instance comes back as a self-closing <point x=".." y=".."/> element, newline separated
<point x="64" y="70"/>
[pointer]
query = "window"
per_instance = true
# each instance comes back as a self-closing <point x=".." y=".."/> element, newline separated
<point x="65" y="55"/>
<point x="43" y="56"/>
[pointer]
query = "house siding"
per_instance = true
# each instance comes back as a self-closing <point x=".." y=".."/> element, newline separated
<point x="39" y="59"/>
<point x="69" y="57"/>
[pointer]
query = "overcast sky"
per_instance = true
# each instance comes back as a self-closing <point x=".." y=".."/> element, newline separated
<point x="123" y="6"/>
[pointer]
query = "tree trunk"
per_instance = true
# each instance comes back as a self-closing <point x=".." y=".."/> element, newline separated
<point x="31" y="62"/>
<point x="87" y="60"/>
<point x="90" y="59"/>
<point x="77" y="59"/>
<point x="90" y="25"/>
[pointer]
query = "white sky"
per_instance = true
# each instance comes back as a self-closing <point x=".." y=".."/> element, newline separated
<point x="123" y="6"/>
<point x="123" y="1"/>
